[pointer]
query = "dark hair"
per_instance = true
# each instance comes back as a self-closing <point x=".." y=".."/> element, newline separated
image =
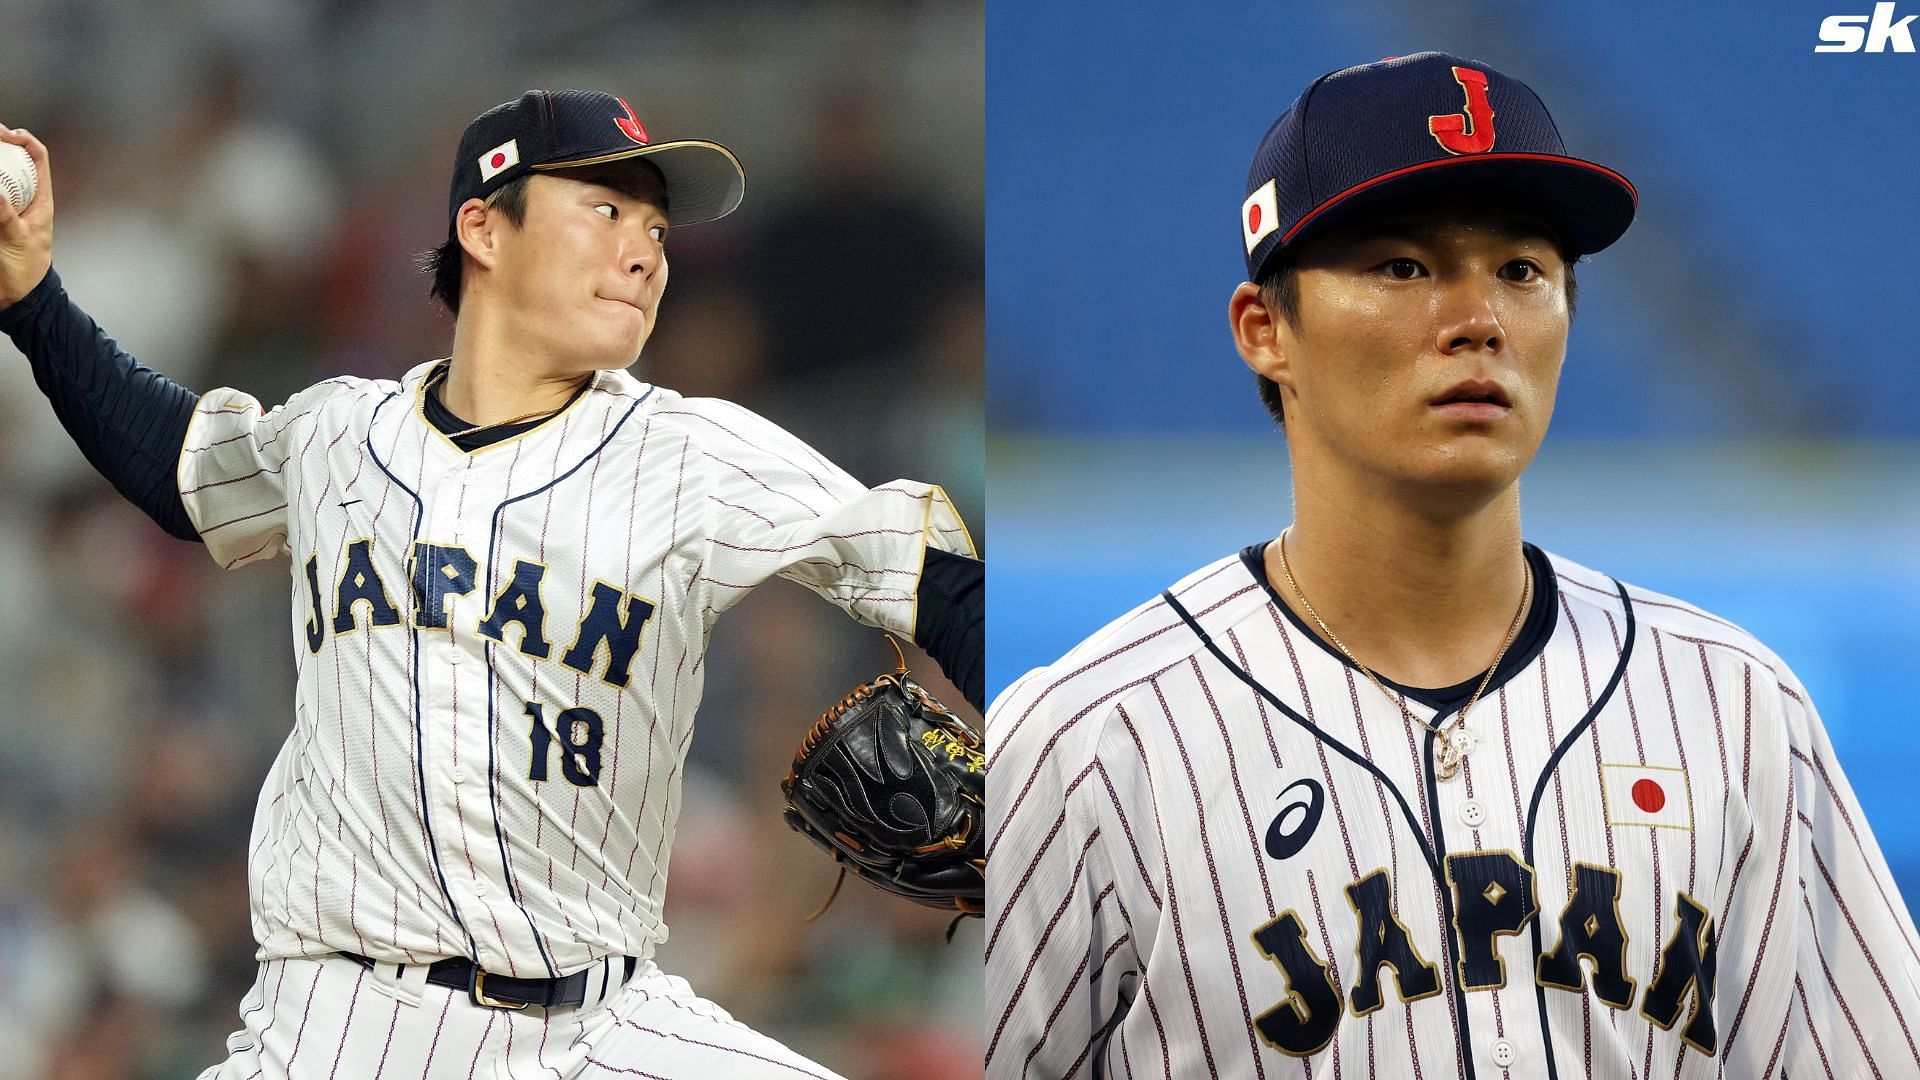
<point x="444" y="264"/>
<point x="1280" y="292"/>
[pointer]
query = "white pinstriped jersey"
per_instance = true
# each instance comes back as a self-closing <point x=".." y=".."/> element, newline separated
<point x="500" y="651"/>
<point x="1225" y="856"/>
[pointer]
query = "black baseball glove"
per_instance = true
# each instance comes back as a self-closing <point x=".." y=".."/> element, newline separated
<point x="893" y="786"/>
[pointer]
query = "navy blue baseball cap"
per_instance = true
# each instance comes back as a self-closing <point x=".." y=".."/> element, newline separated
<point x="1428" y="124"/>
<point x="549" y="130"/>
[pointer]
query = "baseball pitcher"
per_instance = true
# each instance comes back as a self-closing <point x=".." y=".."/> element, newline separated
<point x="504" y="568"/>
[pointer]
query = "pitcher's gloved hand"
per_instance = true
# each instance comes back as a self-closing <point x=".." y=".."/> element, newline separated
<point x="893" y="786"/>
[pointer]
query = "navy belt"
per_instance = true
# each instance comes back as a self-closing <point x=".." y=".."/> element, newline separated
<point x="501" y="991"/>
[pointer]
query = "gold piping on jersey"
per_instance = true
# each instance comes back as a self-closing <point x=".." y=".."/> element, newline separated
<point x="936" y="495"/>
<point x="420" y="410"/>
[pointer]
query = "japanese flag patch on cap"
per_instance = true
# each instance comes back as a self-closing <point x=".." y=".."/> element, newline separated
<point x="499" y="159"/>
<point x="1258" y="216"/>
<point x="1655" y="795"/>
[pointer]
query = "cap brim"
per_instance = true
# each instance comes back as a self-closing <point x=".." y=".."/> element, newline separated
<point x="1589" y="205"/>
<point x="704" y="179"/>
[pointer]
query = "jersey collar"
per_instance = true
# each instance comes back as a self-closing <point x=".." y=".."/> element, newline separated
<point x="1538" y="628"/>
<point x="427" y="374"/>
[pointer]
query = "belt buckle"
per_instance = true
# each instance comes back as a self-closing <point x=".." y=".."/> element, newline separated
<point x="478" y="993"/>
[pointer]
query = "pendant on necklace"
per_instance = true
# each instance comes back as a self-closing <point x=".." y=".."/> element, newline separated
<point x="1448" y="752"/>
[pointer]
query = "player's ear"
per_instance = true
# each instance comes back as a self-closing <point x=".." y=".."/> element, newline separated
<point x="477" y="228"/>
<point x="1257" y="333"/>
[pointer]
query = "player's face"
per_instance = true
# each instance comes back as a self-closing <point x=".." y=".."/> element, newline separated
<point x="588" y="267"/>
<point x="1427" y="350"/>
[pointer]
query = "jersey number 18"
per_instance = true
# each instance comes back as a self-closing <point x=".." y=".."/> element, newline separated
<point x="579" y="736"/>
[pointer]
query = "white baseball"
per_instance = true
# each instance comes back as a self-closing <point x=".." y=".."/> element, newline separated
<point x="18" y="177"/>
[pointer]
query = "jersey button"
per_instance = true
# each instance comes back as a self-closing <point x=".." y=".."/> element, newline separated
<point x="1502" y="1053"/>
<point x="1472" y="814"/>
<point x="480" y="889"/>
<point x="459" y="775"/>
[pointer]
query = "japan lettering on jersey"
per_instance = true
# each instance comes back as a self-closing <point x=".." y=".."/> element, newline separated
<point x="1219" y="852"/>
<point x="500" y="651"/>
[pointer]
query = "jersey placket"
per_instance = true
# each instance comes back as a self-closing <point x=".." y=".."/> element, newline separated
<point x="457" y="730"/>
<point x="1396" y="737"/>
<point x="1475" y="843"/>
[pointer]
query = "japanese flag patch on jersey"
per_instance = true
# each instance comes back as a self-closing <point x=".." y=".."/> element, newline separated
<point x="499" y="159"/>
<point x="1655" y="795"/>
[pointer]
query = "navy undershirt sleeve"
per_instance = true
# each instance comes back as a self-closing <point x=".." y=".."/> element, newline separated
<point x="951" y="622"/>
<point x="128" y="420"/>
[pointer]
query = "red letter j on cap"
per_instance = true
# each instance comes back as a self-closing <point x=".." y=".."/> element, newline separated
<point x="1470" y="132"/>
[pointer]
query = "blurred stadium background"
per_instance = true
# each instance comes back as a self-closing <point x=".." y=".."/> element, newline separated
<point x="1737" y="423"/>
<point x="243" y="185"/>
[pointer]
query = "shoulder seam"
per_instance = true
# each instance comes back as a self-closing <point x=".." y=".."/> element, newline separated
<point x="1759" y="662"/>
